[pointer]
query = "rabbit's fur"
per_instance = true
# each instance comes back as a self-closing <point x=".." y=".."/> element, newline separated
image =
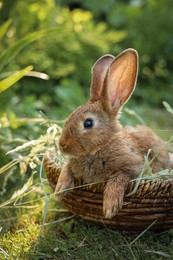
<point x="106" y="151"/>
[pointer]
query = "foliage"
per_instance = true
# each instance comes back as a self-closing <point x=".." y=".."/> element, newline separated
<point x="10" y="125"/>
<point x="73" y="39"/>
<point x="69" y="53"/>
<point x="73" y="49"/>
<point x="83" y="36"/>
<point x="148" y="26"/>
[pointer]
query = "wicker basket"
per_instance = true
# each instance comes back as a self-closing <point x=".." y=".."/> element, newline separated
<point x="150" y="206"/>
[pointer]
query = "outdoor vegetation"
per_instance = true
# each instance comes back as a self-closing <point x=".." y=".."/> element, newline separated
<point x="47" y="49"/>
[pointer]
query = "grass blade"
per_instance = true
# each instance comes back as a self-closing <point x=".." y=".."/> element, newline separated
<point x="143" y="232"/>
<point x="8" y="82"/>
<point x="11" y="52"/>
<point x="159" y="253"/>
<point x="4" y="28"/>
<point x="46" y="202"/>
<point x="133" y="113"/>
<point x="19" y="193"/>
<point x="168" y="107"/>
<point x="8" y="165"/>
<point x="145" y="166"/>
<point x="35" y="74"/>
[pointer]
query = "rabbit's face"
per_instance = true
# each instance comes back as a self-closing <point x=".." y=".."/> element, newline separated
<point x="87" y="130"/>
<point x="91" y="126"/>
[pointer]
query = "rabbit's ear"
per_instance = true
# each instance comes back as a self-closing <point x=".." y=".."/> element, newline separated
<point x="120" y="79"/>
<point x="99" y="71"/>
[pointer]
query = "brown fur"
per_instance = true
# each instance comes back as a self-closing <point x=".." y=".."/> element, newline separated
<point x="107" y="151"/>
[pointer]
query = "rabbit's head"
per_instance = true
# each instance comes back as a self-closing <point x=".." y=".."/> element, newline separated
<point x="92" y="125"/>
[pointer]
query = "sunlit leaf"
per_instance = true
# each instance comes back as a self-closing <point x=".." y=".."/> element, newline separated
<point x="38" y="74"/>
<point x="8" y="82"/>
<point x="35" y="74"/>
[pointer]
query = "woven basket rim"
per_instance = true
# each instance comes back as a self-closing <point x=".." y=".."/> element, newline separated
<point x="153" y="200"/>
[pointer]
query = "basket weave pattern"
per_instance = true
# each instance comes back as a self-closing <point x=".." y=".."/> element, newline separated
<point x="152" y="203"/>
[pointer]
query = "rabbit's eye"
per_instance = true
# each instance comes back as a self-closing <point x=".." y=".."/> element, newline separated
<point x="88" y="123"/>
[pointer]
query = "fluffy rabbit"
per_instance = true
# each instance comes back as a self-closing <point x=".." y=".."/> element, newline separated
<point x="98" y="148"/>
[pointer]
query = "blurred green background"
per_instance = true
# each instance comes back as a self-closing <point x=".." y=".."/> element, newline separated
<point x="63" y="39"/>
<point x="85" y="31"/>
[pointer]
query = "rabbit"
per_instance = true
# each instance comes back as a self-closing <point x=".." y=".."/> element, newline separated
<point x="97" y="146"/>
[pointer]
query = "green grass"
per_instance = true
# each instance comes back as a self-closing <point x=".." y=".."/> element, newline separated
<point x="64" y="236"/>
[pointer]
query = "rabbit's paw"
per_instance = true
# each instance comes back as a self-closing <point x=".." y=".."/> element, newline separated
<point x="112" y="200"/>
<point x="63" y="188"/>
<point x="111" y="206"/>
<point x="64" y="185"/>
